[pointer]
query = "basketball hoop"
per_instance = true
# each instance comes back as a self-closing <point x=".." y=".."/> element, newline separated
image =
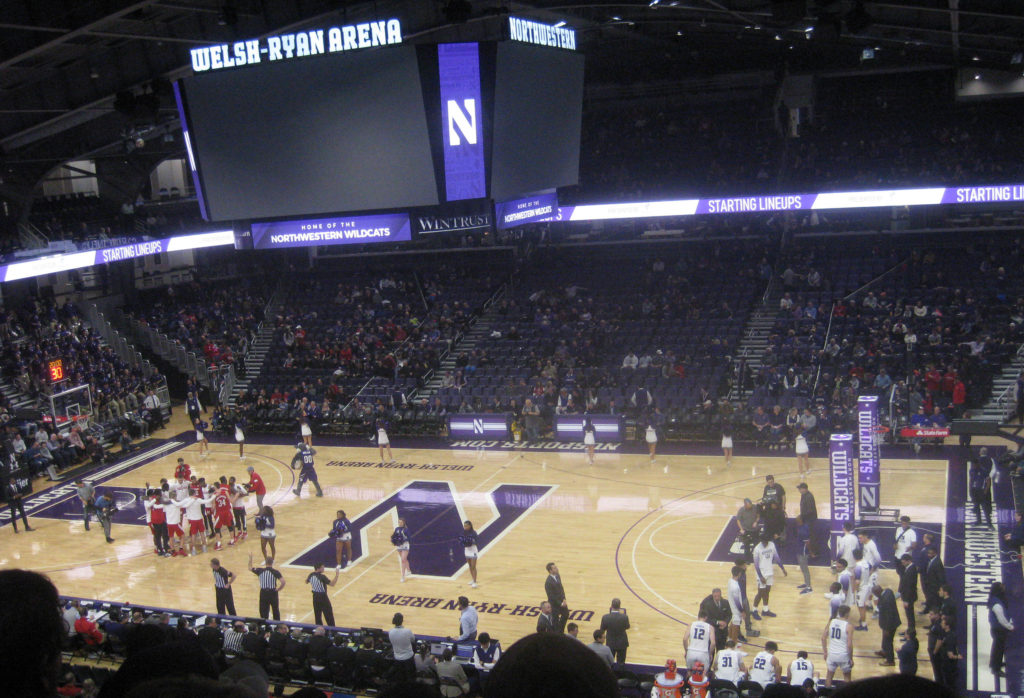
<point x="879" y="433"/>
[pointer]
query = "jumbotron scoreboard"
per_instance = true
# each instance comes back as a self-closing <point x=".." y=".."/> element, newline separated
<point x="351" y="119"/>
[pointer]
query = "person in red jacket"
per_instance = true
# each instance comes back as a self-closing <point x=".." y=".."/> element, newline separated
<point x="256" y="486"/>
<point x="959" y="397"/>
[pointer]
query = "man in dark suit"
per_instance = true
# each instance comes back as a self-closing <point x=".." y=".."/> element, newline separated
<point x="556" y="597"/>
<point x="545" y="621"/>
<point x="210" y="637"/>
<point x="717" y="610"/>
<point x="908" y="590"/>
<point x="615" y="623"/>
<point x="934" y="577"/>
<point x="888" y="621"/>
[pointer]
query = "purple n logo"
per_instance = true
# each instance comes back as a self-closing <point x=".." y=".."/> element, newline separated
<point x="434" y="517"/>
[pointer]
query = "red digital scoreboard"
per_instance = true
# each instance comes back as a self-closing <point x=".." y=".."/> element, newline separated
<point x="56" y="370"/>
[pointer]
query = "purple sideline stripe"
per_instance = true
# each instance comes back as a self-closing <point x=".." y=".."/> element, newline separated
<point x="462" y="121"/>
<point x="349" y="230"/>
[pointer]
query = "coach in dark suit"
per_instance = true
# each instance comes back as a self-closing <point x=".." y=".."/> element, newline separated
<point x="556" y="597"/>
<point x="934" y="577"/>
<point x="888" y="621"/>
<point x="908" y="590"/>
<point x="717" y="610"/>
<point x="615" y="623"/>
<point x="545" y="621"/>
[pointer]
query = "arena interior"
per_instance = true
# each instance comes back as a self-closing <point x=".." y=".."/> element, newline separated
<point x="487" y="348"/>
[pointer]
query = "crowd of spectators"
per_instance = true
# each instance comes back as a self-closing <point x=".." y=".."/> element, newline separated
<point x="356" y="349"/>
<point x="122" y="396"/>
<point x="217" y="319"/>
<point x="927" y="337"/>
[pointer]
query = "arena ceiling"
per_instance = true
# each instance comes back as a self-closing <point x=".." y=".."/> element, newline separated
<point x="89" y="78"/>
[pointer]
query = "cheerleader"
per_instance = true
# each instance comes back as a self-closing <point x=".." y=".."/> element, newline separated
<point x="651" y="436"/>
<point x="265" y="525"/>
<point x="306" y="431"/>
<point x="382" y="440"/>
<point x="204" y="444"/>
<point x="803" y="461"/>
<point x="400" y="539"/>
<point x="588" y="440"/>
<point x="240" y="437"/>
<point x="341" y="532"/>
<point x="468" y="540"/>
<point x="727" y="445"/>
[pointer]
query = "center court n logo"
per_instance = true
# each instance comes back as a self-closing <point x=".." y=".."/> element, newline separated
<point x="434" y="516"/>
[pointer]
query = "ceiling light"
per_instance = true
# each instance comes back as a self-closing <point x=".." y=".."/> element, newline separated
<point x="778" y="38"/>
<point x="977" y="76"/>
<point x="560" y="23"/>
<point x="617" y="18"/>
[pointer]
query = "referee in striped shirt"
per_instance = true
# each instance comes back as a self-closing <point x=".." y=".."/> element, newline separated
<point x="319" y="582"/>
<point x="271" y="582"/>
<point x="222" y="588"/>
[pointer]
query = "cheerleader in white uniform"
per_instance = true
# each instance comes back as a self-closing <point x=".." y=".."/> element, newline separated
<point x="588" y="439"/>
<point x="383" y="441"/>
<point x="306" y="432"/>
<point x="651" y="436"/>
<point x="727" y="446"/>
<point x="400" y="539"/>
<point x="240" y="437"/>
<point x="204" y="444"/>
<point x="803" y="461"/>
<point x="469" y="544"/>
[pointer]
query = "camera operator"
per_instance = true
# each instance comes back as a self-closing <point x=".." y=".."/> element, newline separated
<point x="747" y="519"/>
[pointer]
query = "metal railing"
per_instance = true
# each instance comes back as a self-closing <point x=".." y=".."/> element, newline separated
<point x="125" y="350"/>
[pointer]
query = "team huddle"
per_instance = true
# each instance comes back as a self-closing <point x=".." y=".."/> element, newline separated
<point x="184" y="514"/>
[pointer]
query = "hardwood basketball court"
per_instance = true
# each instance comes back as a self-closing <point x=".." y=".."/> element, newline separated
<point x="620" y="528"/>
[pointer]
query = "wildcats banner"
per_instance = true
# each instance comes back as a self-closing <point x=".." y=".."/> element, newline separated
<point x="840" y="461"/>
<point x="535" y="209"/>
<point x="462" y="121"/>
<point x="932" y="196"/>
<point x="392" y="227"/>
<point x="869" y="470"/>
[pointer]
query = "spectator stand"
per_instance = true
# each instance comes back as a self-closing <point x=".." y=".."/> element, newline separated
<point x="220" y="378"/>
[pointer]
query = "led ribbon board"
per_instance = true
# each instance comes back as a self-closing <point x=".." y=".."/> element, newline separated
<point x="983" y="194"/>
<point x="353" y="230"/>
<point x="51" y="264"/>
<point x="540" y="207"/>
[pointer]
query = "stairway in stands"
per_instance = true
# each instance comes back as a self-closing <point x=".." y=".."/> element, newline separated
<point x="755" y="340"/>
<point x="1003" y="400"/>
<point x="254" y="358"/>
<point x="9" y="389"/>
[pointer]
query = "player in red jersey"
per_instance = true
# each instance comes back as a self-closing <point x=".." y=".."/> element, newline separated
<point x="183" y="471"/>
<point x="256" y="486"/>
<point x="223" y="517"/>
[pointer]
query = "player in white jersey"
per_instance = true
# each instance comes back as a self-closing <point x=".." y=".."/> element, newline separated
<point x="836" y="598"/>
<point x="862" y="586"/>
<point x="698" y="643"/>
<point x="766" y="556"/>
<point x="735" y="599"/>
<point x="196" y="533"/>
<point x="837" y="646"/>
<point x="906" y="541"/>
<point x="844" y="575"/>
<point x="174" y="531"/>
<point x="800" y="669"/>
<point x="846" y="544"/>
<point x="766" y="668"/>
<point x="729" y="663"/>
<point x="178" y="489"/>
